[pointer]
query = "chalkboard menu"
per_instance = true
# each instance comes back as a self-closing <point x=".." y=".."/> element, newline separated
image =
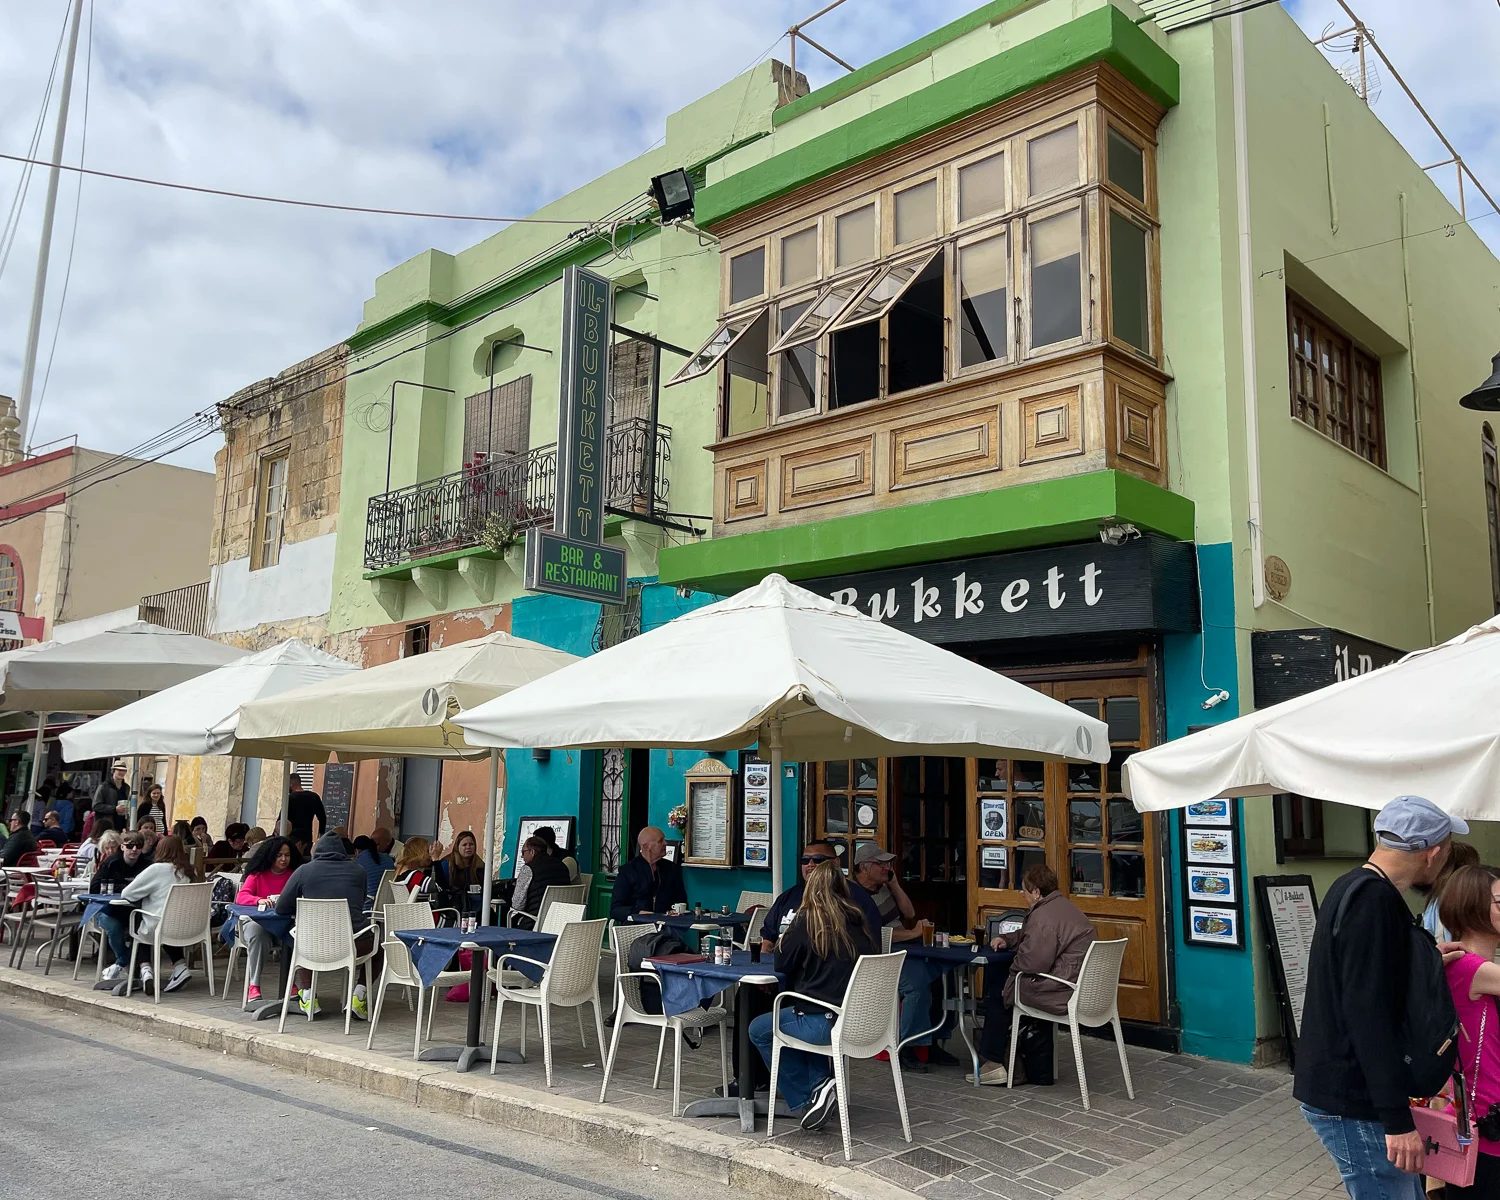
<point x="338" y="793"/>
<point x="1289" y="912"/>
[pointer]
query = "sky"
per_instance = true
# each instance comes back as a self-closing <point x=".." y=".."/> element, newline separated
<point x="175" y="301"/>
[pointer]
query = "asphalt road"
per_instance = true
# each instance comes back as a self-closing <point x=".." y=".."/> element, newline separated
<point x="129" y="1115"/>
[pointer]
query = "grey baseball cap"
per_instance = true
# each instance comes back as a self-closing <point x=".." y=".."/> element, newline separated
<point x="871" y="852"/>
<point x="1415" y="823"/>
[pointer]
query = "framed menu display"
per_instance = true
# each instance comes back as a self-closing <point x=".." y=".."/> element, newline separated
<point x="1289" y="912"/>
<point x="755" y="817"/>
<point x="710" y="792"/>
<point x="1213" y="904"/>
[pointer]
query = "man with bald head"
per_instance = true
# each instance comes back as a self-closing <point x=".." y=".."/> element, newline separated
<point x="650" y="882"/>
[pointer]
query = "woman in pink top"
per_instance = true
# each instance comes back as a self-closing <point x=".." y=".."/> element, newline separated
<point x="1470" y="909"/>
<point x="266" y="874"/>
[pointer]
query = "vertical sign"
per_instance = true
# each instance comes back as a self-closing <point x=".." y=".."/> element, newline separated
<point x="571" y="559"/>
<point x="587" y="303"/>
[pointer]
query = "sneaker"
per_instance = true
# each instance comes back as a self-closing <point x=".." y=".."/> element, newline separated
<point x="910" y="1062"/>
<point x="360" y="1005"/>
<point x="825" y="1099"/>
<point x="308" y="1003"/>
<point x="180" y="975"/>
<point x="693" y="1038"/>
<point x="991" y="1074"/>
<point x="254" y="994"/>
<point x="112" y="972"/>
<point x="147" y="976"/>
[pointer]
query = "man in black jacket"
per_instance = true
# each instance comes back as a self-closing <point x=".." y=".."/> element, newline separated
<point x="112" y="797"/>
<point x="20" y="842"/>
<point x="650" y="882"/>
<point x="332" y="876"/>
<point x="1351" y="1076"/>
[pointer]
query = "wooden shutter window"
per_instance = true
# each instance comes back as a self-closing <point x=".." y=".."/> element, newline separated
<point x="498" y="424"/>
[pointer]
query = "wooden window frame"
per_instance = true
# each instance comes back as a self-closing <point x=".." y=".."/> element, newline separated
<point x="819" y="808"/>
<point x="772" y="270"/>
<point x="1087" y="164"/>
<point x="954" y="302"/>
<point x="1007" y="210"/>
<point x="1357" y="423"/>
<point x="1087" y="234"/>
<point x="260" y="558"/>
<point x="832" y="272"/>
<point x="888" y="247"/>
<point x="1147" y="207"/>
<point x="819" y="383"/>
<point x="816" y="278"/>
<point x="1133" y="213"/>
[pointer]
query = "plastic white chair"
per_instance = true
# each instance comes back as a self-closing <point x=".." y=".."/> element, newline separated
<point x="869" y="1021"/>
<point x="55" y="911"/>
<point x="184" y="922"/>
<point x="1095" y="1002"/>
<point x="630" y="1010"/>
<point x="567" y="893"/>
<point x="887" y="938"/>
<point x="323" y="940"/>
<point x="754" y="903"/>
<point x="385" y="893"/>
<point x="400" y="970"/>
<point x="569" y="980"/>
<point x="558" y="915"/>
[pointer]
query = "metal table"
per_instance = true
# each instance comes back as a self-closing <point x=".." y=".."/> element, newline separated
<point x="280" y="928"/>
<point x="942" y="961"/>
<point x="433" y="949"/>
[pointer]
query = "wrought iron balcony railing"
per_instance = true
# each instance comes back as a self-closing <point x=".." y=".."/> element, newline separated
<point x="184" y="609"/>
<point x="501" y="497"/>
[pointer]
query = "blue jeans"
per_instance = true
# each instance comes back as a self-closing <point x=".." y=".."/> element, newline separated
<point x="1358" y="1151"/>
<point x="800" y="1071"/>
<point x="116" y="934"/>
<point x="916" y="1002"/>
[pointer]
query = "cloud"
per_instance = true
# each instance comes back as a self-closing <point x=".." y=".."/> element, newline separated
<point x="175" y="301"/>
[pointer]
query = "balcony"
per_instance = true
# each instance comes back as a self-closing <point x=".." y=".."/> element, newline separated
<point x="184" y="609"/>
<point x="489" y="504"/>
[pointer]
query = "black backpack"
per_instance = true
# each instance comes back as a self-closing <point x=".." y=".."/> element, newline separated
<point x="655" y="944"/>
<point x="1429" y="1029"/>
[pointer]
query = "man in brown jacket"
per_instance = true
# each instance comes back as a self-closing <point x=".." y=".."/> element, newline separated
<point x="1052" y="940"/>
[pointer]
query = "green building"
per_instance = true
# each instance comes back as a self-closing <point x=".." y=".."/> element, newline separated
<point x="1103" y="353"/>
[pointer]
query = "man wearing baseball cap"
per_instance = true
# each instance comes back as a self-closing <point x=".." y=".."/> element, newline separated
<point x="112" y="796"/>
<point x="1351" y="1075"/>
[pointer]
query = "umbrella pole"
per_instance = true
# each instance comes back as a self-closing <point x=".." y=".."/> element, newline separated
<point x="36" y="762"/>
<point x="286" y="793"/>
<point x="489" y="837"/>
<point x="773" y="740"/>
<point x="135" y="792"/>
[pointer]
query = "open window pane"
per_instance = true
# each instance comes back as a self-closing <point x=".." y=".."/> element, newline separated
<point x="797" y="369"/>
<point x="916" y="213"/>
<point x="888" y="287"/>
<point x="854" y="365"/>
<point x="799" y="257"/>
<point x="746" y="385"/>
<point x="1052" y="161"/>
<point x="914" y="332"/>
<point x="1128" y="302"/>
<point x="981" y="187"/>
<point x="1127" y="165"/>
<point x="1056" y="279"/>
<point x="854" y="236"/>
<point x="747" y="276"/>
<point x="984" y="301"/>
<point x="716" y="347"/>
<point x="829" y="304"/>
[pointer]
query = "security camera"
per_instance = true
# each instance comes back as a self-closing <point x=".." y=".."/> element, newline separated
<point x="1118" y="535"/>
<point x="1215" y="700"/>
<point x="684" y="593"/>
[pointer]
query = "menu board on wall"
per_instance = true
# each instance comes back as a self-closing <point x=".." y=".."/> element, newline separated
<point x="1213" y="909"/>
<point x="756" y="816"/>
<point x="1289" y="912"/>
<point x="710" y="786"/>
<point x="338" y="793"/>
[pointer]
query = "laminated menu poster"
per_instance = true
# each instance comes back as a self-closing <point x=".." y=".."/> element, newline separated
<point x="1289" y="912"/>
<point x="756" y="840"/>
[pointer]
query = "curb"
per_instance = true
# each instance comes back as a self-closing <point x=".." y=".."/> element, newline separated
<point x="653" y="1142"/>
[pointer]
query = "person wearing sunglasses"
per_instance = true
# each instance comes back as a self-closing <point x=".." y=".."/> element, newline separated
<point x="784" y="907"/>
<point x="121" y="859"/>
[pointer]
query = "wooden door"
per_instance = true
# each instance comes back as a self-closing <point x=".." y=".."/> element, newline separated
<point x="1075" y="816"/>
<point x="929" y="796"/>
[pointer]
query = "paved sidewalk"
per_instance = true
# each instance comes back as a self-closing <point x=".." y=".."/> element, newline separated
<point x="1197" y="1128"/>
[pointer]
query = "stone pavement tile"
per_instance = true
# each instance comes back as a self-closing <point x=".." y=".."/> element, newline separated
<point x="1014" y="1189"/>
<point x="898" y="1173"/>
<point x="1056" y="1175"/>
<point x="952" y="1189"/>
<point x="997" y="1155"/>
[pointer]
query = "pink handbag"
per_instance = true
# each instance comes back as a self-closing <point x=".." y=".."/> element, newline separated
<point x="1447" y="1133"/>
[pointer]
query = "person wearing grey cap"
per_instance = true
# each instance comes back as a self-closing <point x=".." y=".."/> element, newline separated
<point x="875" y="872"/>
<point x="1352" y="1076"/>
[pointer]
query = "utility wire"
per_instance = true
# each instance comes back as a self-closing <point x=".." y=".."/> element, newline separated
<point x="1227" y="12"/>
<point x="356" y="208"/>
<point x="62" y="301"/>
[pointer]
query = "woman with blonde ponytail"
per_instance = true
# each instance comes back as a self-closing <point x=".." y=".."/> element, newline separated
<point x="816" y="954"/>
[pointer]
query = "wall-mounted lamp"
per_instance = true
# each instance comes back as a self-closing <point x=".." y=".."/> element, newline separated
<point x="541" y="756"/>
<point x="674" y="194"/>
<point x="1486" y="397"/>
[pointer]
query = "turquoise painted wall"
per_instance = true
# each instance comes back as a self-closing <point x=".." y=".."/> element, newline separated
<point x="1214" y="987"/>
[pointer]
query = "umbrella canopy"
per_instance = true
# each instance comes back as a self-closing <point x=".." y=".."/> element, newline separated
<point x="200" y="715"/>
<point x="1427" y="725"/>
<point x="841" y="684"/>
<point x="397" y="709"/>
<point x="107" y="670"/>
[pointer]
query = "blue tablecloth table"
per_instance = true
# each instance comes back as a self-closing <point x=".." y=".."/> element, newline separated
<point x="280" y="929"/>
<point x="684" y="986"/>
<point x="707" y="922"/>
<point x="943" y="962"/>
<point x="433" y="949"/>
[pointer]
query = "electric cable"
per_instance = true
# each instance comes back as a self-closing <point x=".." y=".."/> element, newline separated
<point x="62" y="301"/>
<point x="1234" y="11"/>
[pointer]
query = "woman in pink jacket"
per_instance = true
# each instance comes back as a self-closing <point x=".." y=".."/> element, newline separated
<point x="266" y="874"/>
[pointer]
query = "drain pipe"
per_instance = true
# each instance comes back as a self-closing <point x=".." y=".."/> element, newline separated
<point x="1247" y="313"/>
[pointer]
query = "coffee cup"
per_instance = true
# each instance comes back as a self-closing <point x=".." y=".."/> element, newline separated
<point x="679" y="908"/>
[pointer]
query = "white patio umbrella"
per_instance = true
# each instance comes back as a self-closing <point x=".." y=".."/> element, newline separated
<point x="1427" y="725"/>
<point x="103" y="672"/>
<point x="802" y="676"/>
<point x="401" y="709"/>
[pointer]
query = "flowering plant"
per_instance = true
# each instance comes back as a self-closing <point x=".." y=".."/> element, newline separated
<point x="677" y="818"/>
